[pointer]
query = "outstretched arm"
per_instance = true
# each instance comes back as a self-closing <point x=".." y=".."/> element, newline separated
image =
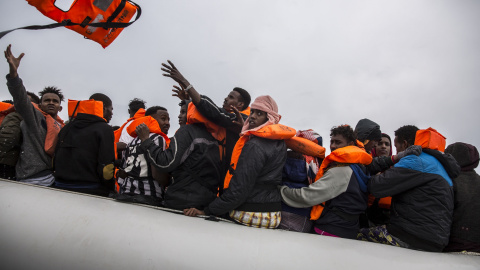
<point x="172" y="72"/>
<point x="13" y="62"/>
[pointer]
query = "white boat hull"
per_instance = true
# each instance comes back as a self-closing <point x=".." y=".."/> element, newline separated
<point x="42" y="228"/>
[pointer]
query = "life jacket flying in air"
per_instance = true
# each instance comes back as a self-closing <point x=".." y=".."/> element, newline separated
<point x="99" y="20"/>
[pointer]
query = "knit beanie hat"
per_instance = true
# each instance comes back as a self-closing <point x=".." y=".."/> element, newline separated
<point x="465" y="154"/>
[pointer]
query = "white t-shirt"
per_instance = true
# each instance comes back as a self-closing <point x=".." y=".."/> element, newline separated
<point x="125" y="137"/>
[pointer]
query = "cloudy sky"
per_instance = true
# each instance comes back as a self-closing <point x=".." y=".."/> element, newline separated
<point x="326" y="63"/>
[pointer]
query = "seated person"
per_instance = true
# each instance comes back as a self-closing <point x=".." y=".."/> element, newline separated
<point x="422" y="197"/>
<point x="299" y="171"/>
<point x="141" y="180"/>
<point x="465" y="232"/>
<point x="85" y="153"/>
<point x="193" y="161"/>
<point x="136" y="109"/>
<point x="251" y="196"/>
<point x="40" y="127"/>
<point x="339" y="194"/>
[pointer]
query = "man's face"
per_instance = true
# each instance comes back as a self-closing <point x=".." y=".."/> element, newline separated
<point x="108" y="113"/>
<point x="370" y="145"/>
<point x="182" y="117"/>
<point x="399" y="144"/>
<point x="163" y="119"/>
<point x="383" y="147"/>
<point x="256" y="118"/>
<point x="50" y="104"/>
<point x="233" y="99"/>
<point x="338" y="141"/>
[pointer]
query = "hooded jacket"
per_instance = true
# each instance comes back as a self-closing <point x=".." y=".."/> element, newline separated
<point x="422" y="198"/>
<point x="85" y="154"/>
<point x="193" y="160"/>
<point x="366" y="129"/>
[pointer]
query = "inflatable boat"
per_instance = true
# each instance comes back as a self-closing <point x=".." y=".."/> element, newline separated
<point x="45" y="228"/>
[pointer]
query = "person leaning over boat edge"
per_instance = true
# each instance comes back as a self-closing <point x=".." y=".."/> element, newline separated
<point x="40" y="126"/>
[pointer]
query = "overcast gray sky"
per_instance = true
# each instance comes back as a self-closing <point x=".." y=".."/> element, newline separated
<point x="326" y="63"/>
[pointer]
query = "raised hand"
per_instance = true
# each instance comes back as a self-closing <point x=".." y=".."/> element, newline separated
<point x="13" y="62"/>
<point x="180" y="93"/>
<point x="172" y="72"/>
<point x="239" y="122"/>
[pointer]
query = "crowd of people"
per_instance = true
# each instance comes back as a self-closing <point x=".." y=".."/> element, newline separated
<point x="238" y="162"/>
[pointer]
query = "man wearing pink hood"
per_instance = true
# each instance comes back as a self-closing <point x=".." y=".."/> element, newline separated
<point x="251" y="196"/>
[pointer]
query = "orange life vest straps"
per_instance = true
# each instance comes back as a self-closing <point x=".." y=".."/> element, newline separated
<point x="348" y="154"/>
<point x="273" y="132"/>
<point x="100" y="21"/>
<point x="152" y="125"/>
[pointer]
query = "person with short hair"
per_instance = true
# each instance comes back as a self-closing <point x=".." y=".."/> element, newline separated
<point x="193" y="161"/>
<point x="40" y="127"/>
<point x="339" y="193"/>
<point x="136" y="109"/>
<point x="422" y="197"/>
<point x="237" y="101"/>
<point x="465" y="232"/>
<point x="107" y="105"/>
<point x="142" y="181"/>
<point x="84" y="156"/>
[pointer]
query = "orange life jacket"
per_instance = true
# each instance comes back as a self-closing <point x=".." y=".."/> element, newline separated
<point x="348" y="154"/>
<point x="100" y="21"/>
<point x="246" y="111"/>
<point x="5" y="109"/>
<point x="118" y="132"/>
<point x="93" y="107"/>
<point x="273" y="132"/>
<point x="218" y="132"/>
<point x="152" y="125"/>
<point x="306" y="147"/>
<point x="431" y="139"/>
<point x="53" y="128"/>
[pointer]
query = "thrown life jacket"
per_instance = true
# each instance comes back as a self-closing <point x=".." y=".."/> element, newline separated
<point x="152" y="125"/>
<point x="348" y="154"/>
<point x="5" y="109"/>
<point x="93" y="107"/>
<point x="430" y="139"/>
<point x="117" y="133"/>
<point x="98" y="20"/>
<point x="272" y="132"/>
<point x="53" y="128"/>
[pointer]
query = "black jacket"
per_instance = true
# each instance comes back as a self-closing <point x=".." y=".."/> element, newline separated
<point x="253" y="186"/>
<point x="85" y="153"/>
<point x="193" y="159"/>
<point x="422" y="198"/>
<point x="224" y="119"/>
